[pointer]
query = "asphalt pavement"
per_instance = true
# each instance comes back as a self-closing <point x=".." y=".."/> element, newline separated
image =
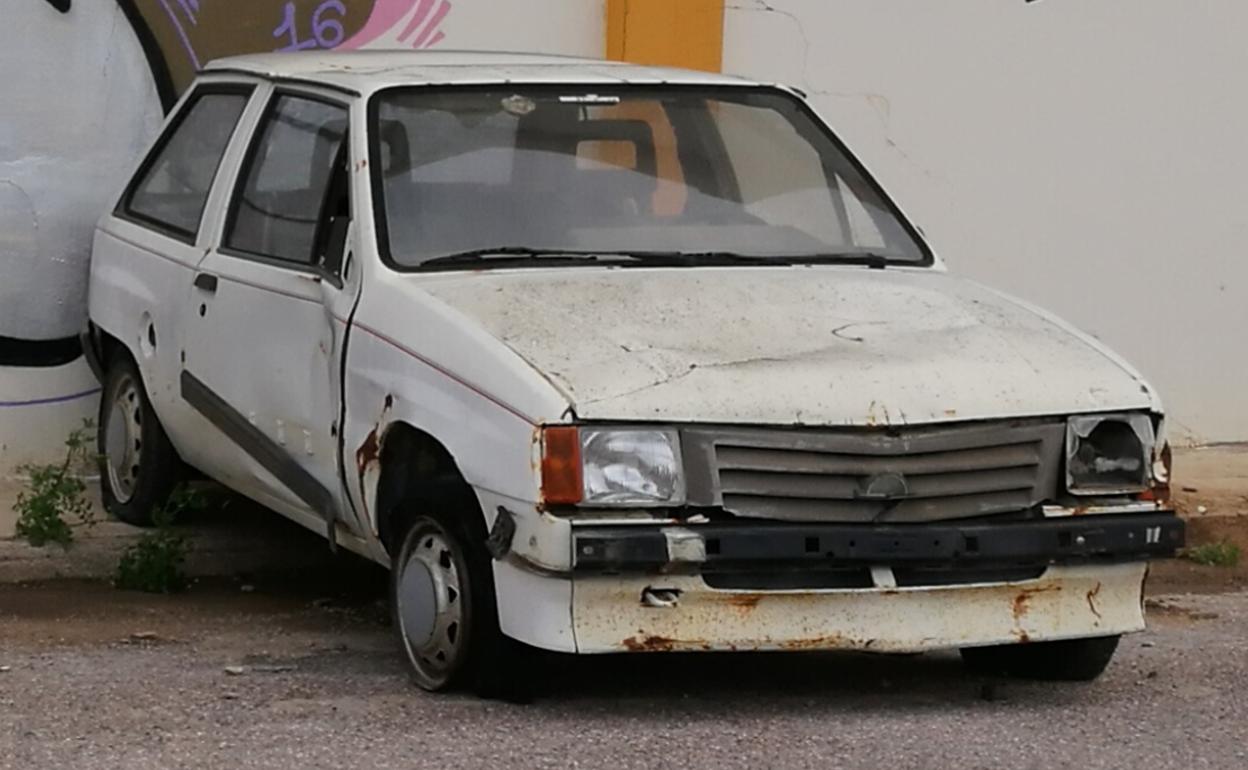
<point x="301" y="674"/>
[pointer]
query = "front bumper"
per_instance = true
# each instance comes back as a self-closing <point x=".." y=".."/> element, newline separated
<point x="764" y="586"/>
<point x="609" y="614"/>
<point x="924" y="586"/>
<point x="738" y="546"/>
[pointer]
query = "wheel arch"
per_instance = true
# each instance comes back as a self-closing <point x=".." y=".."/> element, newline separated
<point x="409" y="461"/>
<point x="102" y="345"/>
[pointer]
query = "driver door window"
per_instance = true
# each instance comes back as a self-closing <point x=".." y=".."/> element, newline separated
<point x="281" y="208"/>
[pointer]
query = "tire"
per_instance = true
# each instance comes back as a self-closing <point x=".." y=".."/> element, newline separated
<point x="443" y="603"/>
<point x="139" y="468"/>
<point x="1072" y="660"/>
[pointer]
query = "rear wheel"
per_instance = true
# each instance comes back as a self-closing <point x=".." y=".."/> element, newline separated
<point x="139" y="467"/>
<point x="445" y="613"/>
<point x="1071" y="660"/>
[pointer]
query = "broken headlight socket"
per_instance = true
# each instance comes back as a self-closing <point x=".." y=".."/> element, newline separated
<point x="1163" y="464"/>
<point x="1109" y="454"/>
<point x="612" y="467"/>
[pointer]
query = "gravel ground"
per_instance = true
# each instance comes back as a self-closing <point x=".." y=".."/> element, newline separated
<point x="94" y="678"/>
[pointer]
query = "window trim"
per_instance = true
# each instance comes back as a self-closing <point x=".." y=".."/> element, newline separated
<point x="283" y="81"/>
<point x="377" y="184"/>
<point x="125" y="212"/>
<point x="244" y="171"/>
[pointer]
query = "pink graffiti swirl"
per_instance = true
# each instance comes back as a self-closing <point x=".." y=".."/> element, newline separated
<point x="402" y="23"/>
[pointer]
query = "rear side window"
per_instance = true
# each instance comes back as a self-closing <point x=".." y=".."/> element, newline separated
<point x="276" y="212"/>
<point x="172" y="187"/>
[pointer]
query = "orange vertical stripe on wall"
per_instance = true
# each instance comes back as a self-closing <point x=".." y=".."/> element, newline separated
<point x="677" y="33"/>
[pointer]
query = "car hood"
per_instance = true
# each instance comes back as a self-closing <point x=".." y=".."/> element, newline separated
<point x="790" y="345"/>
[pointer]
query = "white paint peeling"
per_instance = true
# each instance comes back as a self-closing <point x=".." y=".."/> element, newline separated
<point x="812" y="346"/>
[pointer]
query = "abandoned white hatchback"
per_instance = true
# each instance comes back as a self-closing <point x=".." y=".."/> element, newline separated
<point x="603" y="358"/>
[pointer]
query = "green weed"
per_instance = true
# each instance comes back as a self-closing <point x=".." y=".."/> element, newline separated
<point x="55" y="494"/>
<point x="154" y="564"/>
<point x="1220" y="554"/>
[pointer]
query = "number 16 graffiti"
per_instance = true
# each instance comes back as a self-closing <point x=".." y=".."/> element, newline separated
<point x="393" y="23"/>
<point x="327" y="30"/>
<point x="180" y="36"/>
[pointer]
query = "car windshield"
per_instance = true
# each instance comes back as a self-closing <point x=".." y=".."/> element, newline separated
<point x="545" y="171"/>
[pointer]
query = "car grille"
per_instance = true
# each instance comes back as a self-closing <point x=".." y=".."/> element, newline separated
<point x="868" y="475"/>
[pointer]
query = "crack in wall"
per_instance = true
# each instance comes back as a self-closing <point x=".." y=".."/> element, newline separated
<point x="30" y="204"/>
<point x="879" y="103"/>
<point x="762" y="6"/>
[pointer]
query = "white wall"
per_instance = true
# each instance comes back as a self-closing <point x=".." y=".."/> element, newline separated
<point x="1089" y="156"/>
<point x="77" y="103"/>
<point x="568" y="27"/>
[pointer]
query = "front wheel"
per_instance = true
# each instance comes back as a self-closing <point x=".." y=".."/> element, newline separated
<point x="139" y="467"/>
<point x="1070" y="660"/>
<point x="442" y="598"/>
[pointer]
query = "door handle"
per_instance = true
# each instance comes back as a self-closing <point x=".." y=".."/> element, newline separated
<point x="206" y="282"/>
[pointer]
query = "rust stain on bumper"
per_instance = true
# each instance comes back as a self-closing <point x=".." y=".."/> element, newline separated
<point x="608" y="617"/>
<point x="744" y="602"/>
<point x="829" y="642"/>
<point x="1092" y="600"/>
<point x="1022" y="601"/>
<point x="653" y="644"/>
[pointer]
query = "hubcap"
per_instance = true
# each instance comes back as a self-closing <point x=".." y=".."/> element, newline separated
<point x="123" y="440"/>
<point x="430" y="606"/>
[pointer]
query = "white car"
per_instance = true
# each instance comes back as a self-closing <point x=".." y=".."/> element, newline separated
<point x="602" y="358"/>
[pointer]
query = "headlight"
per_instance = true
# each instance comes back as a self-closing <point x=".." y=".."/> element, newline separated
<point x="1109" y="454"/>
<point x="612" y="467"/>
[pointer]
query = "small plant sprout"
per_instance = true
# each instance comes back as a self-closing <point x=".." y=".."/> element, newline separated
<point x="154" y="564"/>
<point x="55" y="496"/>
<point x="1219" y="554"/>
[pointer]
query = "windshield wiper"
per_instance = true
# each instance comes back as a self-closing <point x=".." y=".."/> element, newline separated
<point x="510" y="254"/>
<point x="514" y="255"/>
<point x="871" y="259"/>
<point x="702" y="258"/>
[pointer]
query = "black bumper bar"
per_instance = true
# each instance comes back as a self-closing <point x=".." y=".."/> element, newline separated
<point x="1105" y="538"/>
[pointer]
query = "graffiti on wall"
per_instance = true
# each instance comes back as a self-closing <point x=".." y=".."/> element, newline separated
<point x="180" y="36"/>
<point x="86" y="85"/>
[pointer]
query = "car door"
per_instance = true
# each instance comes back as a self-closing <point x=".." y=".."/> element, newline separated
<point x="268" y="314"/>
<point x="145" y="253"/>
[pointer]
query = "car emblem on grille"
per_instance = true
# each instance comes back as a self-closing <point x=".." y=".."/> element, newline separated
<point x="884" y="486"/>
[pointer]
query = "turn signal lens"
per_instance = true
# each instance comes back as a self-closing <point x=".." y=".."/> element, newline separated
<point x="561" y="466"/>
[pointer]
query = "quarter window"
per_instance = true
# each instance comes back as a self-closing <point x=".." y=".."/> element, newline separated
<point x="279" y="206"/>
<point x="172" y="188"/>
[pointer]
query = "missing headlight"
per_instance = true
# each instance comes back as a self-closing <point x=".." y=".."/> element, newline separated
<point x="1108" y="454"/>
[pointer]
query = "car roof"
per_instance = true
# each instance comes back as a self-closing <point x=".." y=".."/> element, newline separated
<point x="364" y="72"/>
